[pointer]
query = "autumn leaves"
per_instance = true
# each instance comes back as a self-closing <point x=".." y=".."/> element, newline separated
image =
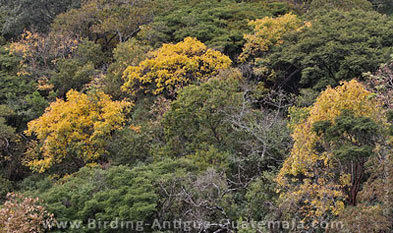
<point x="77" y="129"/>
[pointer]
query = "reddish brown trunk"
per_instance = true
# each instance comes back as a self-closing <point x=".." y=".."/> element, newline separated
<point x="357" y="176"/>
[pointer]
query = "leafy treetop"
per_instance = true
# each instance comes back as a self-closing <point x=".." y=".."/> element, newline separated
<point x="77" y="128"/>
<point x="267" y="33"/>
<point x="174" y="66"/>
<point x="322" y="181"/>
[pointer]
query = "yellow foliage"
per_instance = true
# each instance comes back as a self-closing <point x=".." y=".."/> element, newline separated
<point x="317" y="200"/>
<point x="78" y="128"/>
<point x="135" y="128"/>
<point x="37" y="50"/>
<point x="174" y="66"/>
<point x="319" y="186"/>
<point x="267" y="33"/>
<point x="44" y="84"/>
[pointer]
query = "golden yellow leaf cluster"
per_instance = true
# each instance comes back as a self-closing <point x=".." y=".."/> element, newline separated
<point x="318" y="189"/>
<point x="267" y="33"/>
<point x="174" y="66"/>
<point x="77" y="128"/>
<point x="39" y="51"/>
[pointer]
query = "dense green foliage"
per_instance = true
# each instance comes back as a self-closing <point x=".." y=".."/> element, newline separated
<point x="218" y="24"/>
<point x="197" y="118"/>
<point x="118" y="192"/>
<point x="32" y="14"/>
<point x="345" y="5"/>
<point x="338" y="46"/>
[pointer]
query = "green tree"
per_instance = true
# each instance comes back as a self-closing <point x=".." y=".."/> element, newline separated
<point x="18" y="91"/>
<point x="216" y="123"/>
<point x="345" y="5"/>
<point x="6" y="187"/>
<point x="12" y="84"/>
<point x="133" y="144"/>
<point x="373" y="213"/>
<point x="11" y="149"/>
<point x="197" y="118"/>
<point x="78" y="71"/>
<point x="261" y="198"/>
<point x="19" y="103"/>
<point x="132" y="194"/>
<point x="32" y="14"/>
<point x="129" y="53"/>
<point x="326" y="166"/>
<point x="351" y="140"/>
<point x="118" y="192"/>
<point x="218" y="24"/>
<point x="338" y="46"/>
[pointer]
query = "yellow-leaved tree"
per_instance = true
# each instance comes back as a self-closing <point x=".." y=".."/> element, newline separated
<point x="268" y="32"/>
<point x="333" y="139"/>
<point x="76" y="130"/>
<point x="174" y="66"/>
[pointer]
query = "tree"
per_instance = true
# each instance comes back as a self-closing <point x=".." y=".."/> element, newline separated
<point x="130" y="194"/>
<point x="310" y="8"/>
<point x="216" y="124"/>
<point x="206" y="197"/>
<point x="332" y="142"/>
<point x="197" y="118"/>
<point x="338" y="46"/>
<point x="106" y="22"/>
<point x="174" y="66"/>
<point x="18" y="92"/>
<point x="381" y="83"/>
<point x="77" y="129"/>
<point x="11" y="148"/>
<point x="11" y="82"/>
<point x="32" y="14"/>
<point x="373" y="213"/>
<point x="57" y="63"/>
<point x="118" y="192"/>
<point x="218" y="24"/>
<point x="265" y="137"/>
<point x="6" y="187"/>
<point x="39" y="53"/>
<point x="19" y="103"/>
<point x="132" y="145"/>
<point x="261" y="199"/>
<point x="345" y="5"/>
<point x="374" y="210"/>
<point x="21" y="214"/>
<point x="268" y="32"/>
<point x="77" y="71"/>
<point x="139" y="142"/>
<point x="129" y="53"/>
<point x="351" y="140"/>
